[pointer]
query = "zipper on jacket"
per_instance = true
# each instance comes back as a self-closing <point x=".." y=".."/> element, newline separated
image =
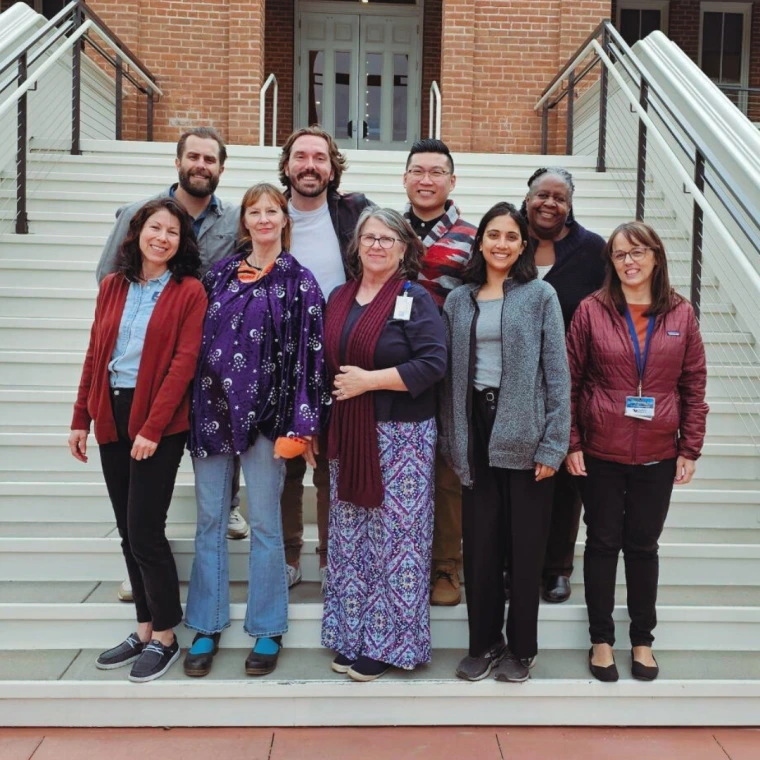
<point x="470" y="381"/>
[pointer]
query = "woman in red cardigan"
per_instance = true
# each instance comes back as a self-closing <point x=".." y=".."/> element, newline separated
<point x="143" y="349"/>
<point x="638" y="372"/>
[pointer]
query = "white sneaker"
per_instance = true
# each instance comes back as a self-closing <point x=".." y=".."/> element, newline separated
<point x="237" y="527"/>
<point x="322" y="578"/>
<point x="125" y="592"/>
<point x="294" y="575"/>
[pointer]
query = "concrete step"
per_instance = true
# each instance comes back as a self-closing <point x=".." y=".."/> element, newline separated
<point x="71" y="193"/>
<point x="20" y="452"/>
<point x="89" y="616"/>
<point x="62" y="687"/>
<point x="703" y="504"/>
<point x="34" y="409"/>
<point x="688" y="556"/>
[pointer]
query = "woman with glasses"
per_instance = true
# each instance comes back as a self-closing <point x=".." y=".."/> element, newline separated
<point x="385" y="349"/>
<point x="638" y="373"/>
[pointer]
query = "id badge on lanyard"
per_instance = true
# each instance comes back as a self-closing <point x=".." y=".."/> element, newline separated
<point x="640" y="407"/>
<point x="403" y="308"/>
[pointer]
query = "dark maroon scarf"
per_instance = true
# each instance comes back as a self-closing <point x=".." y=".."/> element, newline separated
<point x="352" y="437"/>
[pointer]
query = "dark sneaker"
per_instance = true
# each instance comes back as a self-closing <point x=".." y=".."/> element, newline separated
<point x="128" y="651"/>
<point x="341" y="664"/>
<point x="154" y="661"/>
<point x="512" y="669"/>
<point x="367" y="669"/>
<point x="478" y="668"/>
<point x="529" y="662"/>
<point x="263" y="656"/>
<point x="200" y="656"/>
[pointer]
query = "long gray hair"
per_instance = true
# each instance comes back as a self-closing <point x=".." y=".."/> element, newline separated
<point x="413" y="249"/>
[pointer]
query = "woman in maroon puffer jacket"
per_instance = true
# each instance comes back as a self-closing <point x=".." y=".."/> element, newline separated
<point x="638" y="373"/>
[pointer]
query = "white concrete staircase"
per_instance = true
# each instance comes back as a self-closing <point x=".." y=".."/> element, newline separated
<point x="60" y="561"/>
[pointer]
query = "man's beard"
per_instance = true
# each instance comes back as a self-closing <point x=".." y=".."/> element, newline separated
<point x="198" y="191"/>
<point x="309" y="192"/>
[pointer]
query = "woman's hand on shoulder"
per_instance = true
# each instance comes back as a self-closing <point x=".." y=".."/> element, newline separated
<point x="685" y="469"/>
<point x="351" y="382"/>
<point x="142" y="448"/>
<point x="543" y="471"/>
<point x="575" y="464"/>
<point x="78" y="444"/>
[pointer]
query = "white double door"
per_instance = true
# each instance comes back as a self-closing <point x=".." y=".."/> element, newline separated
<point x="358" y="77"/>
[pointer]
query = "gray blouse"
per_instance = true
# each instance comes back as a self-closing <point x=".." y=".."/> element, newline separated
<point x="488" y="344"/>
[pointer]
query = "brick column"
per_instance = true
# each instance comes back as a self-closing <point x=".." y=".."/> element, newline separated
<point x="457" y="74"/>
<point x="246" y="69"/>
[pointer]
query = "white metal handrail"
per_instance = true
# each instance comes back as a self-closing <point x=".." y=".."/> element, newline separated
<point x="262" y="93"/>
<point x="435" y="99"/>
<point x="30" y="83"/>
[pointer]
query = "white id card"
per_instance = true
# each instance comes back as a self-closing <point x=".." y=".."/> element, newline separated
<point x="639" y="407"/>
<point x="403" y="307"/>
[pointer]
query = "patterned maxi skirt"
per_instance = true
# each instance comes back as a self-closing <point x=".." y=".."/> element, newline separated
<point x="377" y="597"/>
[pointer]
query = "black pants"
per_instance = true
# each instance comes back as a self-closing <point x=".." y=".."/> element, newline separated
<point x="505" y="516"/>
<point x="140" y="493"/>
<point x="625" y="508"/>
<point x="564" y="523"/>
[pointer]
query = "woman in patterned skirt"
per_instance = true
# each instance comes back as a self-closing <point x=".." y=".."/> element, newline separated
<point x="385" y="348"/>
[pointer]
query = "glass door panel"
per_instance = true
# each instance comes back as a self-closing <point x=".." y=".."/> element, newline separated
<point x="328" y="60"/>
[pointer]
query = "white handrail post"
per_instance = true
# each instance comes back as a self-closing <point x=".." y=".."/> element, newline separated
<point x="262" y="110"/>
<point x="435" y="98"/>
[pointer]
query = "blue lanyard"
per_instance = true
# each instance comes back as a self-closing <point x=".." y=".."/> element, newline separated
<point x="641" y="361"/>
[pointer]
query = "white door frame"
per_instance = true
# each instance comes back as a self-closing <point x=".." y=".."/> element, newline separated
<point x="362" y="9"/>
<point x="645" y="5"/>
<point x="746" y="10"/>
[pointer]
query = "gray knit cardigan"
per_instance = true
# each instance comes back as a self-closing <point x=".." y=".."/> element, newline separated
<point x="533" y="412"/>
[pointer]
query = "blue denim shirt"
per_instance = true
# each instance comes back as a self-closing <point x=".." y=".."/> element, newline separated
<point x="198" y="220"/>
<point x="125" y="360"/>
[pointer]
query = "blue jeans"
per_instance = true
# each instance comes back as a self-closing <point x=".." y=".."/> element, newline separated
<point x="208" y="600"/>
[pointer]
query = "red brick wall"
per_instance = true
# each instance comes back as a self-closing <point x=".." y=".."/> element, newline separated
<point x="683" y="26"/>
<point x="499" y="55"/>
<point x="278" y="58"/>
<point x="216" y="83"/>
<point x="431" y="58"/>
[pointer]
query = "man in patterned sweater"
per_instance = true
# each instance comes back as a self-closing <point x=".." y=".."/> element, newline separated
<point x="429" y="179"/>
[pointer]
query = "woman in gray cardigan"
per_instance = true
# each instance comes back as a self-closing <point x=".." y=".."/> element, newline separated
<point x="505" y="419"/>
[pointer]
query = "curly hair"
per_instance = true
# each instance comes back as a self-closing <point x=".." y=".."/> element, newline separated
<point x="523" y="270"/>
<point x="185" y="263"/>
<point x="552" y="171"/>
<point x="337" y="159"/>
<point x="413" y="249"/>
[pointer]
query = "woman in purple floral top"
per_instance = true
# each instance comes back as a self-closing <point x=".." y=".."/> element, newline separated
<point x="259" y="393"/>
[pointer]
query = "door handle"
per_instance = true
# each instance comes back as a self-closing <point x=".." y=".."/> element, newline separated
<point x="365" y="129"/>
<point x="351" y="128"/>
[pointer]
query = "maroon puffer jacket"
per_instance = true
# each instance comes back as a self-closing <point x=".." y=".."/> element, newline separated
<point x="603" y="372"/>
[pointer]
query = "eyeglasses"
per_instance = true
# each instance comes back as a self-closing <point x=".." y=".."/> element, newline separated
<point x="636" y="254"/>
<point x="386" y="243"/>
<point x="418" y="173"/>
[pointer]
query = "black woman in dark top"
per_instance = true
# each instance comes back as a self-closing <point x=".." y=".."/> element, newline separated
<point x="569" y="258"/>
<point x="386" y="349"/>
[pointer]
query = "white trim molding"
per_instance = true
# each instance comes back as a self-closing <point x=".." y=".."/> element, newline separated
<point x="645" y="5"/>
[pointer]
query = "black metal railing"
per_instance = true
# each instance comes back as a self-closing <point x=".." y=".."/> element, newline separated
<point x="15" y="68"/>
<point x="708" y="173"/>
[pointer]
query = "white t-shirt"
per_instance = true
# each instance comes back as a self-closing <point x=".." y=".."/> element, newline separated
<point x="315" y="245"/>
<point x="543" y="270"/>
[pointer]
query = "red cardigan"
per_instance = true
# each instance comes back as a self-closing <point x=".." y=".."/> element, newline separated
<point x="603" y="372"/>
<point x="161" y="404"/>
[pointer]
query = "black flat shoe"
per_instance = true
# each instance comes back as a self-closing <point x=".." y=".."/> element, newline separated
<point x="643" y="672"/>
<point x="199" y="664"/>
<point x="556" y="589"/>
<point x="261" y="663"/>
<point x="607" y="674"/>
